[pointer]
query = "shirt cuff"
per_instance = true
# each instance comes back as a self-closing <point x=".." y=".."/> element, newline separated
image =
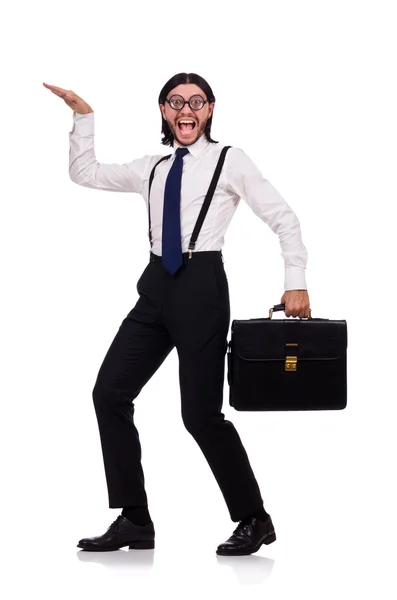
<point x="83" y="124"/>
<point x="294" y="279"/>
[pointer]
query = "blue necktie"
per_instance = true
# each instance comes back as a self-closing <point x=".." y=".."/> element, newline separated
<point x="171" y="236"/>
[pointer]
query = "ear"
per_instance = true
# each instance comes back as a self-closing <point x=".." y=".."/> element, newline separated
<point x="211" y="109"/>
<point x="162" y="109"/>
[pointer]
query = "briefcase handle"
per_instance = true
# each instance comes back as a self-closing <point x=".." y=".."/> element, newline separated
<point x="277" y="307"/>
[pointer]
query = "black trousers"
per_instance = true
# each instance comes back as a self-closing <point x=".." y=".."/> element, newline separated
<point x="190" y="311"/>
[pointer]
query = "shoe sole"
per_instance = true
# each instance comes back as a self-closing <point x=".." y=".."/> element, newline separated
<point x="268" y="540"/>
<point x="131" y="545"/>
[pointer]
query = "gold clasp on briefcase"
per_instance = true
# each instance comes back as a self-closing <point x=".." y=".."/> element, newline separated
<point x="291" y="361"/>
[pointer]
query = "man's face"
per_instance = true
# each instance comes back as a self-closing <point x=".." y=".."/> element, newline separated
<point x="186" y="135"/>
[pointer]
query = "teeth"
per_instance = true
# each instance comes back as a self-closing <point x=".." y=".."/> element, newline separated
<point x="186" y="121"/>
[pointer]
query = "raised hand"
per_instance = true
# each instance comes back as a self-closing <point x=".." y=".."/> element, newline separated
<point x="74" y="101"/>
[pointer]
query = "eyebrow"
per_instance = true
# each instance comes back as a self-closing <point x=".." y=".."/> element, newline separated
<point x="197" y="94"/>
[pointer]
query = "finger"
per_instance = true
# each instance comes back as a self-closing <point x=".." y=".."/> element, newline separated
<point x="54" y="87"/>
<point x="56" y="90"/>
<point x="60" y="94"/>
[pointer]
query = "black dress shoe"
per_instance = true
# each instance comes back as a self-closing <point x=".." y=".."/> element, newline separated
<point x="122" y="532"/>
<point x="248" y="537"/>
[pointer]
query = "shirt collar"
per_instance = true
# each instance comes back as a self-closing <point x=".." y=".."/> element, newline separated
<point x="195" y="149"/>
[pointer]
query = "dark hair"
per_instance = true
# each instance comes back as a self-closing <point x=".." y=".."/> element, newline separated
<point x="176" y="80"/>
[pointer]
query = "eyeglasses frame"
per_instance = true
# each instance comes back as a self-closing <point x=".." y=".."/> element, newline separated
<point x="186" y="102"/>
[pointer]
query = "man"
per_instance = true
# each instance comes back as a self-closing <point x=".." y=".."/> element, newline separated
<point x="183" y="303"/>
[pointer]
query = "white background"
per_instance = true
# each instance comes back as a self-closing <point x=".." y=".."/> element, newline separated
<point x="307" y="90"/>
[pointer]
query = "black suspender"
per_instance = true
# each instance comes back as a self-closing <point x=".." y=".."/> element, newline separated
<point x="148" y="199"/>
<point x="206" y="203"/>
<point x="207" y="200"/>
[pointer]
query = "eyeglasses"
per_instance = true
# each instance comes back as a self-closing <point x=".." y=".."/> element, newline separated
<point x="177" y="102"/>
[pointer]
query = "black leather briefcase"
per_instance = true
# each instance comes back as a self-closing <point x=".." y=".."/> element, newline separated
<point x="287" y="364"/>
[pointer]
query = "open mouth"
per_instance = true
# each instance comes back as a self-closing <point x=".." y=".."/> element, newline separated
<point x="186" y="126"/>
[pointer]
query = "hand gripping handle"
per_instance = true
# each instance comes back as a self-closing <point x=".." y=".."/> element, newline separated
<point x="277" y="307"/>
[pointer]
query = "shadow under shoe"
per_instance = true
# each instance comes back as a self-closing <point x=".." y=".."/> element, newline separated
<point x="248" y="537"/>
<point x="122" y="532"/>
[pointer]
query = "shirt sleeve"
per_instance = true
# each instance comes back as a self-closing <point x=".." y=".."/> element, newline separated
<point x="246" y="181"/>
<point x="85" y="170"/>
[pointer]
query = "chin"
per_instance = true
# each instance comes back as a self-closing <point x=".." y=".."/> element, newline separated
<point x="185" y="142"/>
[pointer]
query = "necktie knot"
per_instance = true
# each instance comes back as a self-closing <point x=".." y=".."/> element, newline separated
<point x="181" y="152"/>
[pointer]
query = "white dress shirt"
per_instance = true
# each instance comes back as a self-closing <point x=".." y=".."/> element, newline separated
<point x="239" y="178"/>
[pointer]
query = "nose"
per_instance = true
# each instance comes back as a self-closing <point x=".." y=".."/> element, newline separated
<point x="187" y="111"/>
